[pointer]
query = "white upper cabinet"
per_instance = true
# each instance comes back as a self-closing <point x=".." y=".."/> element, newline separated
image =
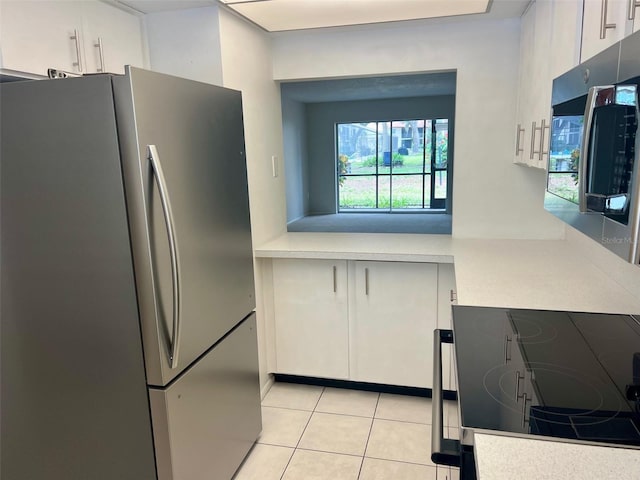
<point x="113" y="38"/>
<point x="37" y="35"/>
<point x="79" y="37"/>
<point x="534" y="88"/>
<point x="604" y="23"/>
<point x="566" y="32"/>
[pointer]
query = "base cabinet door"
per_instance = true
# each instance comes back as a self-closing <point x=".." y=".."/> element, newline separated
<point x="311" y="322"/>
<point x="393" y="313"/>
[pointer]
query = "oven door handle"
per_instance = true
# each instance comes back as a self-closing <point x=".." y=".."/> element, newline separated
<point x="444" y="451"/>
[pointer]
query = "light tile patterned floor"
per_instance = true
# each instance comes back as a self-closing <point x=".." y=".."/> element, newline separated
<point x="322" y="433"/>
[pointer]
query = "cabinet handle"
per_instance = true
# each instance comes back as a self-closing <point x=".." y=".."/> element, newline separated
<point x="76" y="37"/>
<point x="519" y="130"/>
<point x="541" y="152"/>
<point x="98" y="45"/>
<point x="604" y="26"/>
<point x="518" y="378"/>
<point x="366" y="281"/>
<point x="633" y="4"/>
<point x="335" y="279"/>
<point x="507" y="349"/>
<point x="534" y="129"/>
<point x="525" y="399"/>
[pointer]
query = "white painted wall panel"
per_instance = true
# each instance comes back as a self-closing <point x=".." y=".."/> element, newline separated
<point x="186" y="43"/>
<point x="492" y="197"/>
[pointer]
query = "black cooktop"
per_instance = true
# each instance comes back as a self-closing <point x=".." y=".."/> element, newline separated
<point x="559" y="374"/>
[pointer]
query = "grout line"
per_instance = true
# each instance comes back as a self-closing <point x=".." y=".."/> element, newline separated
<point x="332" y="453"/>
<point x="432" y="465"/>
<point x="304" y="430"/>
<point x="369" y="436"/>
<point x="288" y="408"/>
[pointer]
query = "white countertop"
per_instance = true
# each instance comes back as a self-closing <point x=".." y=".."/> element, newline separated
<point x="501" y="457"/>
<point x="543" y="274"/>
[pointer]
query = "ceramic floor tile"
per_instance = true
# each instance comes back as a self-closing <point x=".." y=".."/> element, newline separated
<point x="291" y="395"/>
<point x="336" y="433"/>
<point x="264" y="462"/>
<point x="404" y="408"/>
<point x="283" y="426"/>
<point x="348" y="402"/>
<point x="400" y="441"/>
<point x="375" y="469"/>
<point x="309" y="465"/>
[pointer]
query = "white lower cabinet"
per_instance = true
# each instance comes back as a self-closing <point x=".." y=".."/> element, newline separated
<point x="311" y="323"/>
<point x="367" y="321"/>
<point x="393" y="313"/>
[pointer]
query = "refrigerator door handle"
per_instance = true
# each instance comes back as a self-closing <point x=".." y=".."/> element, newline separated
<point x="154" y="159"/>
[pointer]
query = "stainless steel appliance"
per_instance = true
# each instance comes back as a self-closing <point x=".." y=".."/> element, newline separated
<point x="128" y="345"/>
<point x="564" y="376"/>
<point x="593" y="173"/>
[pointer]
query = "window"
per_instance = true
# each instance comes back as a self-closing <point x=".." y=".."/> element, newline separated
<point x="397" y="165"/>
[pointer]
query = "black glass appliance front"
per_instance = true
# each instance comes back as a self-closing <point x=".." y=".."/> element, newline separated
<point x="557" y="374"/>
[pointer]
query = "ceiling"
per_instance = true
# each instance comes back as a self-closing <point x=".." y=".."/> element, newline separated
<point x="286" y="15"/>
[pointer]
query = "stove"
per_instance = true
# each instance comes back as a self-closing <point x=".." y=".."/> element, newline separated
<point x="568" y="376"/>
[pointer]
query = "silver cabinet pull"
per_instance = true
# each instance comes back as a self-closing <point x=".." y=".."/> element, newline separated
<point x="518" y="378"/>
<point x="98" y="45"/>
<point x="507" y="349"/>
<point x="525" y="399"/>
<point x="633" y="4"/>
<point x="541" y="152"/>
<point x="519" y="130"/>
<point x="604" y="26"/>
<point x="335" y="279"/>
<point x="366" y="281"/>
<point x="173" y="251"/>
<point x="533" y="151"/>
<point x="76" y="38"/>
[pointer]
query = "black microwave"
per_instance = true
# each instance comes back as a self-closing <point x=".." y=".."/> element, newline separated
<point x="593" y="173"/>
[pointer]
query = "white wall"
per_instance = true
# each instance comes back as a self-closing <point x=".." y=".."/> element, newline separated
<point x="186" y="43"/>
<point x="246" y="66"/>
<point x="492" y="197"/>
<point x="294" y="126"/>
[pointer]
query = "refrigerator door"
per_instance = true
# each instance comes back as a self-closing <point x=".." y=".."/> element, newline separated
<point x="184" y="167"/>
<point x="74" y="398"/>
<point x="205" y="423"/>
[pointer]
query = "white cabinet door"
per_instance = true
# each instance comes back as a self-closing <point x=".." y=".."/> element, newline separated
<point x="525" y="75"/>
<point x="600" y="13"/>
<point x="36" y="35"/>
<point x="311" y="323"/>
<point x="566" y="36"/>
<point x="393" y="313"/>
<point x="112" y="36"/>
<point x="446" y="298"/>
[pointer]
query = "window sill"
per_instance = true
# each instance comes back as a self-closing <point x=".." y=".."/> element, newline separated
<point x="422" y="223"/>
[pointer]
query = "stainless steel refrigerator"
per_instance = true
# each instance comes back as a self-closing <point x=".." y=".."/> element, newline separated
<point x="128" y="336"/>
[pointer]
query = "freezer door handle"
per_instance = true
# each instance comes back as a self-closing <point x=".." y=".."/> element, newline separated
<point x="156" y="168"/>
<point x="444" y="451"/>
